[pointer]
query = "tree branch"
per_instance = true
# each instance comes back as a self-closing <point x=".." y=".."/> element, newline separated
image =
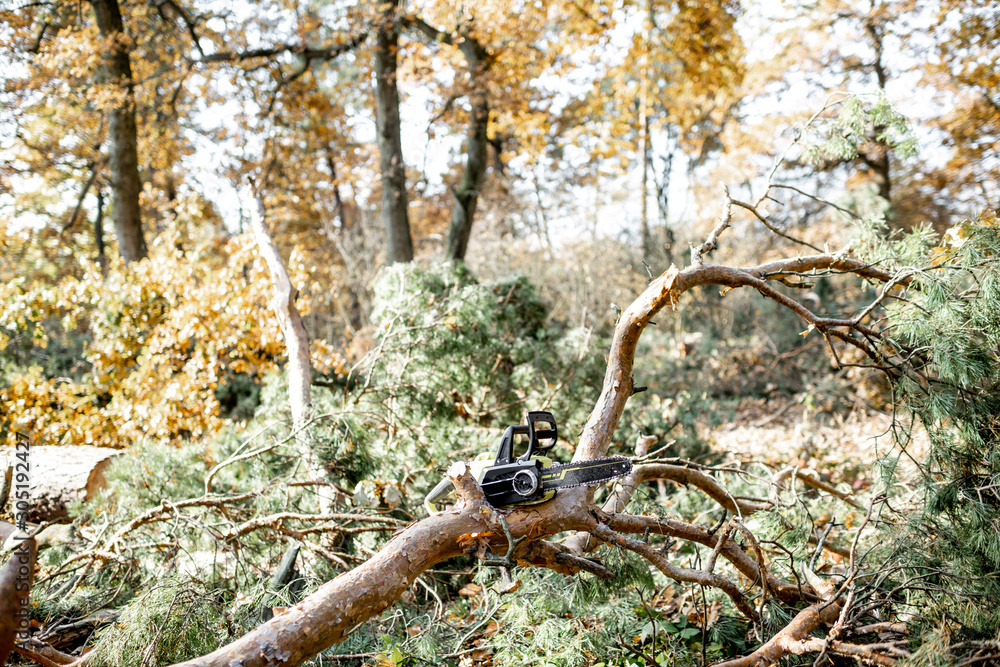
<point x="731" y="551"/>
<point x="429" y="30"/>
<point x="95" y="170"/>
<point x="701" y="577"/>
<point x="307" y="52"/>
<point x="299" y="367"/>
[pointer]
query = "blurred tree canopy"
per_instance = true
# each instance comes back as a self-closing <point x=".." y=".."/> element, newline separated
<point x="467" y="197"/>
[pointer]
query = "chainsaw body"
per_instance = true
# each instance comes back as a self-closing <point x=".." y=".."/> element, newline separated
<point x="531" y="478"/>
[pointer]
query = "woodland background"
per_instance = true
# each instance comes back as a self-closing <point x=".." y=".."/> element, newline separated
<point x="465" y="197"/>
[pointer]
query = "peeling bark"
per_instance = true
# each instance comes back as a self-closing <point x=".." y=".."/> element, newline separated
<point x="795" y="638"/>
<point x="618" y="382"/>
<point x="327" y="616"/>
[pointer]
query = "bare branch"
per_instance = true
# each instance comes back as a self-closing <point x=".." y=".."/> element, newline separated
<point x="731" y="551"/>
<point x="47" y="656"/>
<point x="604" y="533"/>
<point x="434" y="33"/>
<point x="301" y="50"/>
<point x="763" y="219"/>
<point x="712" y="242"/>
<point x="703" y="482"/>
<point x="789" y="639"/>
<point x="95" y="170"/>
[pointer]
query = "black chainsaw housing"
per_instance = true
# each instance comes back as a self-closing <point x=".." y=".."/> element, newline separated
<point x="511" y="481"/>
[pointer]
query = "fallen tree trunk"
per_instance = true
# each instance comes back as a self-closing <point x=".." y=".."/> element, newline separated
<point x="62" y="475"/>
<point x="16" y="578"/>
<point x="332" y="612"/>
<point x="327" y="616"/>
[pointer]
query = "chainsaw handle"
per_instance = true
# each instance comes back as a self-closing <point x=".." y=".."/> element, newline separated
<point x="505" y="452"/>
<point x="437" y="494"/>
<point x="536" y="435"/>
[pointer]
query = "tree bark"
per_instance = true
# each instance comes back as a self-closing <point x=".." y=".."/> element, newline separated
<point x="399" y="244"/>
<point x="327" y="616"/>
<point x="61" y="476"/>
<point x="796" y="638"/>
<point x="102" y="258"/>
<point x="644" y="133"/>
<point x="123" y="143"/>
<point x="16" y="578"/>
<point x="338" y="200"/>
<point x="878" y="159"/>
<point x="476" y="159"/>
<point x="299" y="366"/>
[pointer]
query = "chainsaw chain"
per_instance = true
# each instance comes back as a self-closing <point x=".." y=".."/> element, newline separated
<point x="608" y="459"/>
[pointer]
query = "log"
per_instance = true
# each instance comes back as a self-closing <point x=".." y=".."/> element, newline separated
<point x="61" y="475"/>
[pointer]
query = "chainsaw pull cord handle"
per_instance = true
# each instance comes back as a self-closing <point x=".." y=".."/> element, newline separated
<point x="549" y="434"/>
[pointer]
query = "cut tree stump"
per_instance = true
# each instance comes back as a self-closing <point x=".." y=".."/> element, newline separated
<point x="59" y="476"/>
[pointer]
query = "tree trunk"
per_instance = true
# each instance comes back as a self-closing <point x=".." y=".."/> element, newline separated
<point x="62" y="476"/>
<point x="644" y="134"/>
<point x="102" y="258"/>
<point x="338" y="200"/>
<point x="647" y="240"/>
<point x="467" y="193"/>
<point x="399" y="245"/>
<point x="663" y="199"/>
<point x="123" y="158"/>
<point x="299" y="366"/>
<point x="878" y="160"/>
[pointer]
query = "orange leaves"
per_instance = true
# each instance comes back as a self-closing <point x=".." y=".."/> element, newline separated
<point x="327" y="359"/>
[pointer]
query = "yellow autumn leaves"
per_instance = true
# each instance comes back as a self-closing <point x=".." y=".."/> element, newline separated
<point x="153" y="346"/>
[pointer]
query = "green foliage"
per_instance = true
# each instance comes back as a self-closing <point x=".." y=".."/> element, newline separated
<point x="458" y="361"/>
<point x="948" y="324"/>
<point x="561" y="621"/>
<point x="174" y="621"/>
<point x="859" y="121"/>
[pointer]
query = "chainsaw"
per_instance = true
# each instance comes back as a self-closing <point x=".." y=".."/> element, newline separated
<point x="531" y="478"/>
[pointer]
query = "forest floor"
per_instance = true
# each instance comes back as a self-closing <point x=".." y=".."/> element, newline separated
<point x="842" y="445"/>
